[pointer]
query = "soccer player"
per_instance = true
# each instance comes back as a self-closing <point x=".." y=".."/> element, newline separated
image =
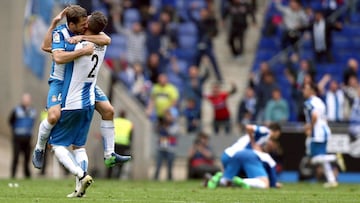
<point x="256" y="138"/>
<point x="76" y="24"/>
<point x="78" y="105"/>
<point x="259" y="174"/>
<point x="318" y="132"/>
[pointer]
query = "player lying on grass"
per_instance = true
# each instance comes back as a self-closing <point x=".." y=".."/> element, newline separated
<point x="257" y="166"/>
<point x="76" y="23"/>
<point x="256" y="138"/>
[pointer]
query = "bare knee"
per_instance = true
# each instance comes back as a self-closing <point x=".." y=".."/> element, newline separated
<point x="54" y="114"/>
<point x="105" y="109"/>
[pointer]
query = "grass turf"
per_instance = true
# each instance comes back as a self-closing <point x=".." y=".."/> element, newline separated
<point x="52" y="191"/>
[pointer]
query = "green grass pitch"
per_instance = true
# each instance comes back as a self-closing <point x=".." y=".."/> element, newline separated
<point x="52" y="191"/>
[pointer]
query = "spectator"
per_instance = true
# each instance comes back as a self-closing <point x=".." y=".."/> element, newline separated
<point x="330" y="6"/>
<point x="246" y="110"/>
<point x="201" y="158"/>
<point x="164" y="96"/>
<point x="123" y="139"/>
<point x="207" y="29"/>
<point x="258" y="76"/>
<point x="238" y="12"/>
<point x="155" y="42"/>
<point x="263" y="92"/>
<point x="218" y="99"/>
<point x="141" y="86"/>
<point x="354" y="127"/>
<point x="167" y="132"/>
<point x="126" y="74"/>
<point x="21" y="121"/>
<point x="351" y="70"/>
<point x="351" y="90"/>
<point x="136" y="38"/>
<point x="294" y="18"/>
<point x="276" y="109"/>
<point x="192" y="115"/>
<point x="168" y="28"/>
<point x="153" y="68"/>
<point x="335" y="102"/>
<point x="194" y="83"/>
<point x="322" y="36"/>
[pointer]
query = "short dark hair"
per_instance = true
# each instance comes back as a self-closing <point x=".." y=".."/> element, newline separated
<point x="275" y="127"/>
<point x="74" y="13"/>
<point x="97" y="22"/>
<point x="313" y="86"/>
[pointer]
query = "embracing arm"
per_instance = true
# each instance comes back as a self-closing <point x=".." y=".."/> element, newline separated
<point x="46" y="44"/>
<point x="61" y="56"/>
<point x="99" y="39"/>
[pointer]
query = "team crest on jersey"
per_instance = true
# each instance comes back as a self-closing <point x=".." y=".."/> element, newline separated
<point x="54" y="98"/>
<point x="56" y="37"/>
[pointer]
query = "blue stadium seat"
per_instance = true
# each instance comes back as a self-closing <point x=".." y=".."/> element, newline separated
<point x="186" y="29"/>
<point x="355" y="18"/>
<point x="187" y="42"/>
<point x="269" y="43"/>
<point x="342" y="43"/>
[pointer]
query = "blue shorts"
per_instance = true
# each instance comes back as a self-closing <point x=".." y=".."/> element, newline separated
<point x="54" y="94"/>
<point x="72" y="128"/>
<point x="100" y="95"/>
<point x="247" y="161"/>
<point x="317" y="148"/>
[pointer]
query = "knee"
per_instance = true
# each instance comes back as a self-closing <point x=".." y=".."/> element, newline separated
<point x="53" y="116"/>
<point x="106" y="110"/>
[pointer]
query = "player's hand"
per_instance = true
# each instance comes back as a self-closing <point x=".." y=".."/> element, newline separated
<point x="279" y="185"/>
<point x="60" y="16"/>
<point x="75" y="39"/>
<point x="89" y="48"/>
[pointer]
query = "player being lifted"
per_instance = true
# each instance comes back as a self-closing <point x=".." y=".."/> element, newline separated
<point x="76" y="23"/>
<point x="77" y="106"/>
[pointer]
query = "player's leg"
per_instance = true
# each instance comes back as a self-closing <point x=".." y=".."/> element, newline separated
<point x="106" y="110"/>
<point x="319" y="156"/>
<point x="54" y="112"/>
<point x="72" y="129"/>
<point x="82" y="160"/>
<point x="232" y="169"/>
<point x="254" y="170"/>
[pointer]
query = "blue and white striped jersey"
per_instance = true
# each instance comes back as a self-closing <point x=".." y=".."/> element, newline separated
<point x="59" y="42"/>
<point x="321" y="130"/>
<point x="261" y="135"/>
<point x="80" y="79"/>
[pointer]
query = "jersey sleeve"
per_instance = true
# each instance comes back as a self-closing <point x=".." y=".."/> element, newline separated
<point x="260" y="131"/>
<point x="58" y="41"/>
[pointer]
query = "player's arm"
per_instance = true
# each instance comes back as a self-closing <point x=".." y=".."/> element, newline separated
<point x="314" y="118"/>
<point x="250" y="130"/>
<point x="46" y="44"/>
<point x="62" y="56"/>
<point x="100" y="39"/>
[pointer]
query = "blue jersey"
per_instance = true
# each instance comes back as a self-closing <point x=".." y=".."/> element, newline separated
<point x="59" y="42"/>
<point x="245" y="161"/>
<point x="261" y="135"/>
